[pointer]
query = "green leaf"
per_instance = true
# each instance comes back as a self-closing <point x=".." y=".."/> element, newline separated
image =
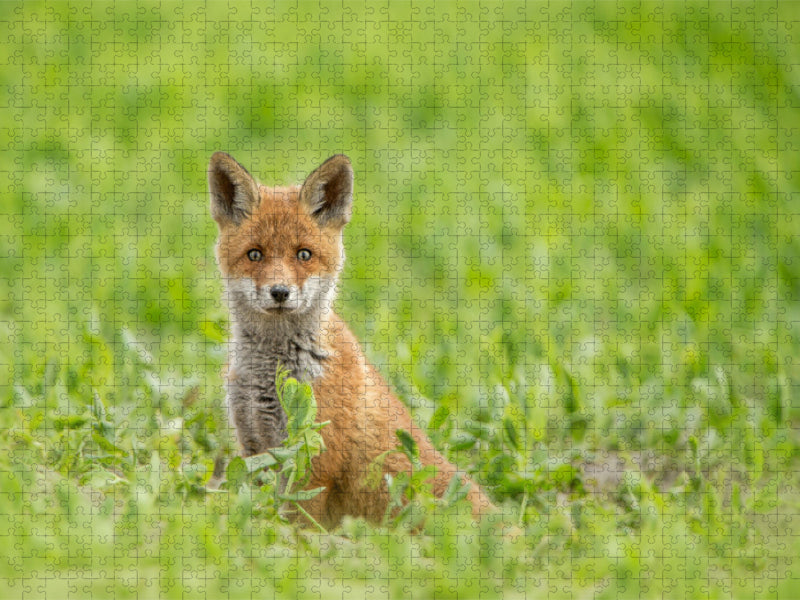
<point x="290" y="387"/>
<point x="375" y="470"/>
<point x="69" y="422"/>
<point x="408" y="445"/>
<point x="302" y="410"/>
<point x="572" y="395"/>
<point x="284" y="455"/>
<point x="105" y="444"/>
<point x="511" y="433"/>
<point x="258" y="462"/>
<point x="300" y="495"/>
<point x="297" y="400"/>
<point x="237" y="472"/>
<point x="462" y="441"/>
<point x="313" y="442"/>
<point x="456" y="490"/>
<point x="438" y="418"/>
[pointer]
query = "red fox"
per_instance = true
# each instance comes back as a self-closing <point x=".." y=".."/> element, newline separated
<point x="280" y="253"/>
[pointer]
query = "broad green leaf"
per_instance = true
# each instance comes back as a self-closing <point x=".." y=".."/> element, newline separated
<point x="260" y="461"/>
<point x="237" y="472"/>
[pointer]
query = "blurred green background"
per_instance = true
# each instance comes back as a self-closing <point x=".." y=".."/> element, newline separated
<point x="574" y="249"/>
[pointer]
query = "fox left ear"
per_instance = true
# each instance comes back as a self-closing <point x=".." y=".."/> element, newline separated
<point x="328" y="192"/>
<point x="234" y="192"/>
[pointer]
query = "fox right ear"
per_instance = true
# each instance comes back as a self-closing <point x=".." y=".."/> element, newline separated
<point x="328" y="192"/>
<point x="234" y="192"/>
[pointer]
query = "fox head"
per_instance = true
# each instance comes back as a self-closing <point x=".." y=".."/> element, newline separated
<point x="280" y="249"/>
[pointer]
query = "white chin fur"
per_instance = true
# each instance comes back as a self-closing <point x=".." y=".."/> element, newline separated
<point x="316" y="295"/>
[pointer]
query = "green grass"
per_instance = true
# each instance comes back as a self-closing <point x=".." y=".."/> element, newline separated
<point x="575" y="253"/>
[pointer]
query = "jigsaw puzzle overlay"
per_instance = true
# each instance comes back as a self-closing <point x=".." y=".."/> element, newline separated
<point x="574" y="255"/>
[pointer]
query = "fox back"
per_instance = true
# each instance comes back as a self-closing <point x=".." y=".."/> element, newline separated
<point x="280" y="253"/>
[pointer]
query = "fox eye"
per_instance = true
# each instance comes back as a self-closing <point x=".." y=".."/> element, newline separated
<point x="304" y="254"/>
<point x="254" y="255"/>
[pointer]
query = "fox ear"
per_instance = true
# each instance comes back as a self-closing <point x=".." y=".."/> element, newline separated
<point x="234" y="192"/>
<point x="328" y="192"/>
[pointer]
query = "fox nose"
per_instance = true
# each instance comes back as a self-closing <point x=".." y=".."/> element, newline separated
<point x="279" y="293"/>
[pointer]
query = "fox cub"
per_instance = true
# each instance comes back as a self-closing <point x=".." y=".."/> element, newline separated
<point x="280" y="253"/>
